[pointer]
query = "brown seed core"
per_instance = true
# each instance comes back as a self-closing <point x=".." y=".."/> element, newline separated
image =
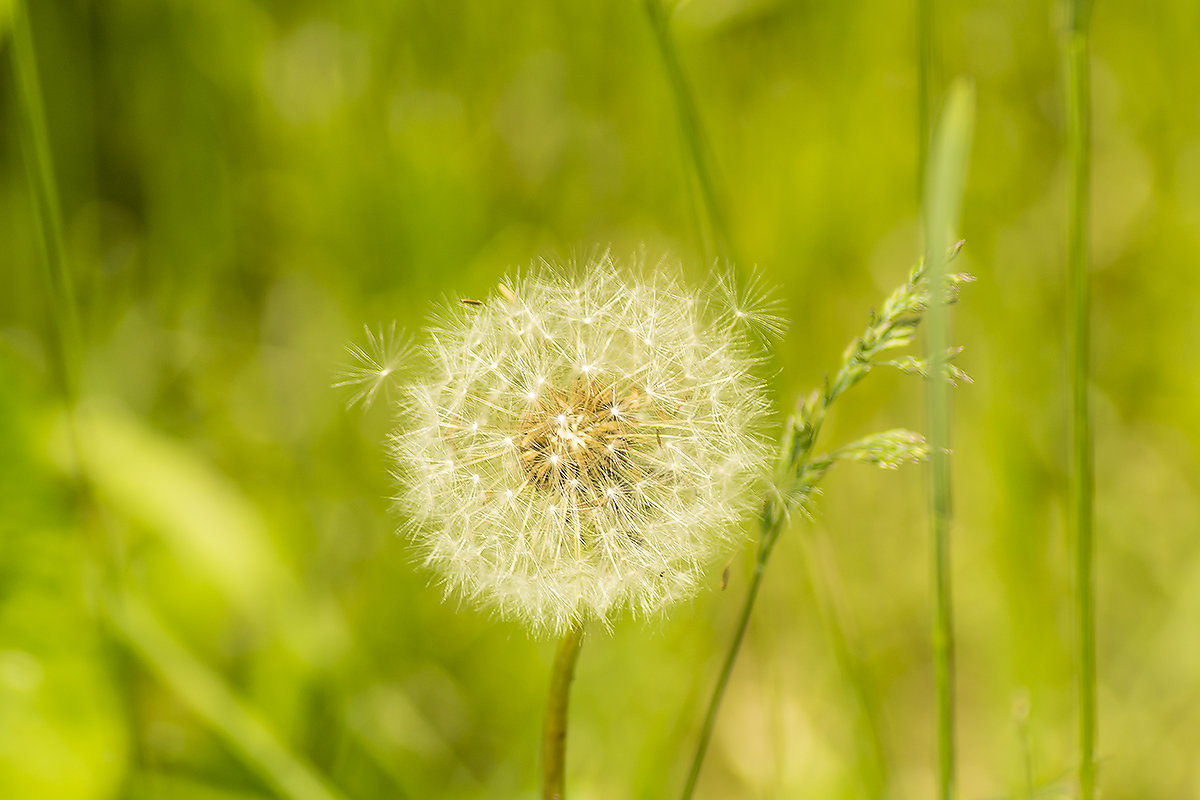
<point x="579" y="442"/>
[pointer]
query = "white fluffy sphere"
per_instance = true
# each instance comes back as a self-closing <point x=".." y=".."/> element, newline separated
<point x="577" y="446"/>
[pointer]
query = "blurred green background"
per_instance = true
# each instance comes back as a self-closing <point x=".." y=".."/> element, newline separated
<point x="245" y="184"/>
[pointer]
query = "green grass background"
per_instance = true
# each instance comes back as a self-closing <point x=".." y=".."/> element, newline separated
<point x="245" y="184"/>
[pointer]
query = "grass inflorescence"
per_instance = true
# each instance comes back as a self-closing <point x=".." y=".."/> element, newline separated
<point x="799" y="469"/>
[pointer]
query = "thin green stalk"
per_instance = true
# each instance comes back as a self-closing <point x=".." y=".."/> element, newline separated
<point x="943" y="630"/>
<point x="1022" y="715"/>
<point x="554" y="734"/>
<point x="693" y="132"/>
<point x="766" y="543"/>
<point x="47" y="214"/>
<point x="870" y="728"/>
<point x="944" y="186"/>
<point x="924" y="89"/>
<point x="211" y="700"/>
<point x="1081" y="488"/>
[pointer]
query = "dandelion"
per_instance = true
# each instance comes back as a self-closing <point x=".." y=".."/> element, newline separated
<point x="580" y="443"/>
<point x="577" y="446"/>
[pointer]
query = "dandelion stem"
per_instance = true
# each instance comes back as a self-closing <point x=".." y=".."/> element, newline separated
<point x="1081" y="486"/>
<point x="554" y="736"/>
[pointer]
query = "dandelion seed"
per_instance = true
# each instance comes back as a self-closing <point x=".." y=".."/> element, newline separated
<point x="624" y="472"/>
<point x="752" y="304"/>
<point x="374" y="367"/>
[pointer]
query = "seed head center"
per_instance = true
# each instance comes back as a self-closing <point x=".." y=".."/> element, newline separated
<point x="577" y="442"/>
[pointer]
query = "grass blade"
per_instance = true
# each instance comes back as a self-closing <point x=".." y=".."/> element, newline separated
<point x="924" y="89"/>
<point x="766" y="543"/>
<point x="43" y="188"/>
<point x="693" y="132"/>
<point x="1081" y="481"/>
<point x="944" y="185"/>
<point x="211" y="700"/>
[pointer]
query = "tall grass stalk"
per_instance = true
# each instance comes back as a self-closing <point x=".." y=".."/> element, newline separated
<point x="554" y="733"/>
<point x="1082" y="482"/>
<point x="924" y="89"/>
<point x="944" y="185"/>
<point x="211" y="700"/>
<point x="698" y="148"/>
<point x="47" y="213"/>
<point x="869" y="733"/>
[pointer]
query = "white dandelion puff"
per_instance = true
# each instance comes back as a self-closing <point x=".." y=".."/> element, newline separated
<point x="580" y="446"/>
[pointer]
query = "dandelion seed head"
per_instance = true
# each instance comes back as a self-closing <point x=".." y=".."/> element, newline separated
<point x="624" y="440"/>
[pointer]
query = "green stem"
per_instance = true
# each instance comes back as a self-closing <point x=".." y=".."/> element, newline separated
<point x="693" y="131"/>
<point x="47" y="214"/>
<point x="943" y="633"/>
<point x="870" y="740"/>
<point x="798" y="464"/>
<point x="766" y="544"/>
<point x="554" y="735"/>
<point x="924" y="89"/>
<point x="1081" y="488"/>
<point x="944" y="185"/>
